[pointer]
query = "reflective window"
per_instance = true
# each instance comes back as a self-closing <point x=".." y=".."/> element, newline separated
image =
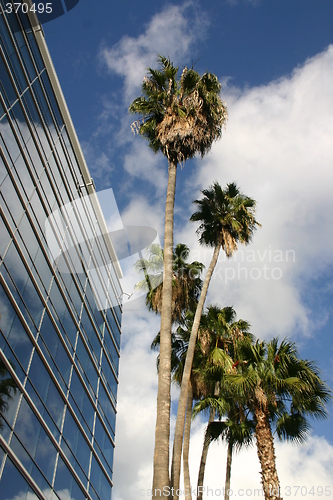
<point x="60" y="311"/>
<point x="104" y="442"/>
<point x="55" y="370"/>
<point x="5" y="37"/>
<point x="76" y="442"/>
<point x="3" y="169"/>
<point x="17" y="72"/>
<point x="109" y="377"/>
<point x="27" y="61"/>
<point x="28" y="242"/>
<point x="80" y="416"/>
<point x="4" y="238"/>
<point x="2" y="111"/>
<point x="12" y="484"/>
<point x="82" y="401"/>
<point x="46" y="390"/>
<point x="33" y="305"/>
<point x="6" y="311"/>
<point x="5" y="432"/>
<point x="9" y="140"/>
<point x="101" y="457"/>
<point x="87" y="365"/>
<point x="36" y="442"/>
<point x="49" y="335"/>
<point x="35" y="158"/>
<point x="9" y="414"/>
<point x="70" y="288"/>
<point x="43" y="105"/>
<point x="18" y="275"/>
<point x="65" y="485"/>
<point x="43" y="269"/>
<point x="71" y="153"/>
<point x="91" y="335"/>
<point x="99" y="481"/>
<point x="24" y="179"/>
<point x="54" y="173"/>
<point x="43" y="410"/>
<point x="50" y="94"/>
<point x="24" y="311"/>
<point x="38" y="60"/>
<point x="20" y="343"/>
<point x="107" y="409"/>
<point x="74" y="463"/>
<point x="13" y="207"/>
<point x="110" y="347"/>
<point x="6" y="85"/>
<point x="47" y="190"/>
<point x="97" y="315"/>
<point x="113" y="325"/>
<point x="18" y="35"/>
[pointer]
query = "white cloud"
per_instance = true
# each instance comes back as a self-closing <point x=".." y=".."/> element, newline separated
<point x="171" y="32"/>
<point x="142" y="163"/>
<point x="98" y="162"/>
<point x="136" y="405"/>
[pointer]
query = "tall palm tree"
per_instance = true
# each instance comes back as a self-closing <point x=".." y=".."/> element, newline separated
<point x="7" y="387"/>
<point x="282" y="391"/>
<point x="222" y="333"/>
<point x="198" y="389"/>
<point x="236" y="431"/>
<point x="227" y="217"/>
<point x="186" y="281"/>
<point x="180" y="118"/>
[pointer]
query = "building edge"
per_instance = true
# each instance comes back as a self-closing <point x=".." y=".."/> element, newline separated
<point x="90" y="186"/>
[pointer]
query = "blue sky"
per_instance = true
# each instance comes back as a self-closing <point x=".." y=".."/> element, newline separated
<point x="274" y="60"/>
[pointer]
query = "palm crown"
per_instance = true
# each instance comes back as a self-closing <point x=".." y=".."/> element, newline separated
<point x="186" y="281"/>
<point x="179" y="117"/>
<point x="281" y="390"/>
<point x="226" y="215"/>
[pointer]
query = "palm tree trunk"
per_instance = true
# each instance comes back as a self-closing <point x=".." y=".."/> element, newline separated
<point x="203" y="460"/>
<point x="186" y="448"/>
<point x="266" y="454"/>
<point x="178" y="440"/>
<point x="228" y="471"/>
<point x="162" y="430"/>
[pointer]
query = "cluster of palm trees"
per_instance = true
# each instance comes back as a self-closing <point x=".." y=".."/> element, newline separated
<point x="251" y="387"/>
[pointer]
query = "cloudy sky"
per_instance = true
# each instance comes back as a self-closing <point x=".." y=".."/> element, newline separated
<point x="275" y="63"/>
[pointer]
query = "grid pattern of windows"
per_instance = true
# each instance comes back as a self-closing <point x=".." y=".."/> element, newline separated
<point x="56" y="340"/>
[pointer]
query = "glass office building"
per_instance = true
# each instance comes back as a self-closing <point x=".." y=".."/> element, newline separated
<point x="60" y="296"/>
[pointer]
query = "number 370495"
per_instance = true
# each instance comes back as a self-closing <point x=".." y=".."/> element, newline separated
<point x="38" y="8"/>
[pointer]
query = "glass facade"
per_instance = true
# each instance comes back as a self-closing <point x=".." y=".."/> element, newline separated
<point x="60" y="314"/>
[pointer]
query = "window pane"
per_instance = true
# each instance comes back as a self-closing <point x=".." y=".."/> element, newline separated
<point x="6" y="85"/>
<point x="13" y="485"/>
<point x="65" y="485"/>
<point x="27" y="184"/>
<point x="15" y="209"/>
<point x="4" y="238"/>
<point x="20" y="343"/>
